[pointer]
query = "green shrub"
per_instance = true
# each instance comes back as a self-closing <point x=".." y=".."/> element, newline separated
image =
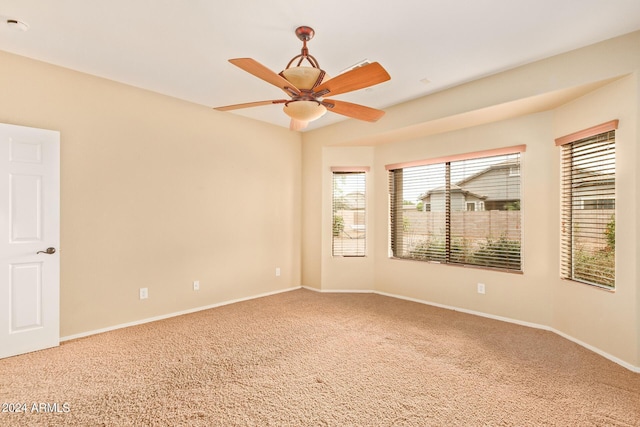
<point x="338" y="225"/>
<point x="595" y="266"/>
<point x="434" y="250"/>
<point x="512" y="206"/>
<point x="610" y="233"/>
<point x="502" y="253"/>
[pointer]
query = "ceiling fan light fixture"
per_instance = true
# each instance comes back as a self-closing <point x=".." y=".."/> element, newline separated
<point x="305" y="111"/>
<point x="303" y="77"/>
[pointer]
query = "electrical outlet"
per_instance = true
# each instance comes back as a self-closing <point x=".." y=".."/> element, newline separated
<point x="277" y="271"/>
<point x="144" y="293"/>
<point x="196" y="285"/>
<point x="481" y="288"/>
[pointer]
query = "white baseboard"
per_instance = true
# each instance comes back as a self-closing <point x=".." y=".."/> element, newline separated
<point x="467" y="311"/>
<point x="177" y="313"/>
<point x="340" y="291"/>
<point x="596" y="350"/>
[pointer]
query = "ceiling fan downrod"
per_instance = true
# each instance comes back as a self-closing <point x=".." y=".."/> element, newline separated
<point x="304" y="34"/>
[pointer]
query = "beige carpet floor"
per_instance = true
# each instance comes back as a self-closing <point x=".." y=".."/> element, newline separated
<point x="303" y="358"/>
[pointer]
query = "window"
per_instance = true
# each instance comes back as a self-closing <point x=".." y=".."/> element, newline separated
<point x="458" y="228"/>
<point x="349" y="212"/>
<point x="588" y="206"/>
<point x="591" y="203"/>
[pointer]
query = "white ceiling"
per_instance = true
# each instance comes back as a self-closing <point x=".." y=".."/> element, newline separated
<point x="180" y="48"/>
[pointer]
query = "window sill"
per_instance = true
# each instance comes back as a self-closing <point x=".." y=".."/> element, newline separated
<point x="470" y="266"/>
<point x="592" y="285"/>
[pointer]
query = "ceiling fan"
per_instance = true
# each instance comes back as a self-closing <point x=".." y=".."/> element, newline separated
<point x="307" y="86"/>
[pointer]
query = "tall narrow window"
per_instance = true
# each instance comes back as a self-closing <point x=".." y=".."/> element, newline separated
<point x="461" y="210"/>
<point x="588" y="208"/>
<point x="349" y="228"/>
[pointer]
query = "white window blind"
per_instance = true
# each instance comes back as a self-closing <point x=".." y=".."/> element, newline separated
<point x="464" y="212"/>
<point x="588" y="210"/>
<point x="349" y="213"/>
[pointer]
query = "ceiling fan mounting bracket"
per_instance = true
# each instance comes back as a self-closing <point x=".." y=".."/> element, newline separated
<point x="305" y="33"/>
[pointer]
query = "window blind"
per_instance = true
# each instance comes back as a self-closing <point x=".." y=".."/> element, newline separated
<point x="349" y="213"/>
<point x="588" y="210"/>
<point x="464" y="212"/>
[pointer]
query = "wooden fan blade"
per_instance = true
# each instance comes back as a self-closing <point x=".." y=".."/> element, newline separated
<point x="355" y="111"/>
<point x="257" y="69"/>
<point x="358" y="78"/>
<point x="250" y="104"/>
<point x="297" y="124"/>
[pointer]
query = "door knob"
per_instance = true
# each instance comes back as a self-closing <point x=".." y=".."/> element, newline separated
<point x="49" y="251"/>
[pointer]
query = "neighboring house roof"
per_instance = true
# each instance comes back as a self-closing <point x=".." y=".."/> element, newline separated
<point x="458" y="187"/>
<point x="503" y="165"/>
<point x="454" y="189"/>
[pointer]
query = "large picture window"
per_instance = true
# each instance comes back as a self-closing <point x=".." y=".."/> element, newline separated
<point x="462" y="210"/>
<point x="349" y="229"/>
<point x="588" y="206"/>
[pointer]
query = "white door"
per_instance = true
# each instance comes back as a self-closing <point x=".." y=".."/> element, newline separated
<point x="29" y="226"/>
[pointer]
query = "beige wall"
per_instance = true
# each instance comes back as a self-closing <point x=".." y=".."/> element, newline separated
<point x="531" y="105"/>
<point x="519" y="296"/>
<point x="313" y="206"/>
<point x="157" y="193"/>
<point x="346" y="273"/>
<point x="607" y="319"/>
